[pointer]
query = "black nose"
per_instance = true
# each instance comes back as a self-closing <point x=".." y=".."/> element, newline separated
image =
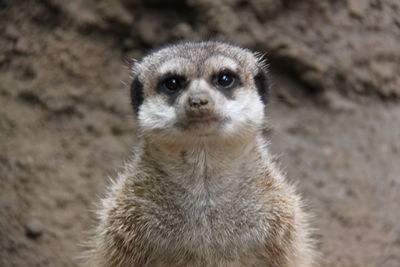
<point x="198" y="100"/>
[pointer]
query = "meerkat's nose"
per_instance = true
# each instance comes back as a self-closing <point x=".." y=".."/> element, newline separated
<point x="198" y="100"/>
<point x="199" y="104"/>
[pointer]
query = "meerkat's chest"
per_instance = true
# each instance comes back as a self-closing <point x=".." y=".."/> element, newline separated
<point x="206" y="226"/>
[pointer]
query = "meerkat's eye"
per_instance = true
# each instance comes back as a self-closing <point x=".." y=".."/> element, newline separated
<point x="226" y="79"/>
<point x="173" y="83"/>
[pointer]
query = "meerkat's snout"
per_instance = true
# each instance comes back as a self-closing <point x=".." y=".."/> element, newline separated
<point x="197" y="101"/>
<point x="199" y="113"/>
<point x="199" y="105"/>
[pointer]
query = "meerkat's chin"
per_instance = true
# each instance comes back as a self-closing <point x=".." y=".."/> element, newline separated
<point x="201" y="126"/>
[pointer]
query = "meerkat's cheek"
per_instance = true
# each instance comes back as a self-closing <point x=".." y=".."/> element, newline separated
<point x="156" y="114"/>
<point x="245" y="112"/>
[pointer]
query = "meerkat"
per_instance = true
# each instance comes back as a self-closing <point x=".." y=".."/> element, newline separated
<point x="201" y="188"/>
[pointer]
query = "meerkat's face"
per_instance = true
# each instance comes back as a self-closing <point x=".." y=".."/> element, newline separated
<point x="194" y="90"/>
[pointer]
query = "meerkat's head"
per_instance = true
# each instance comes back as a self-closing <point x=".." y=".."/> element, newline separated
<point x="200" y="90"/>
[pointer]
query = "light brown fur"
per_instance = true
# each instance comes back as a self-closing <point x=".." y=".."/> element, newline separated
<point x="187" y="199"/>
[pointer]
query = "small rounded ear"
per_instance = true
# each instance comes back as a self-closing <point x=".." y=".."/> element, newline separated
<point x="262" y="82"/>
<point x="136" y="94"/>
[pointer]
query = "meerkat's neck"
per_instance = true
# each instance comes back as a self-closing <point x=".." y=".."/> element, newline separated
<point x="205" y="162"/>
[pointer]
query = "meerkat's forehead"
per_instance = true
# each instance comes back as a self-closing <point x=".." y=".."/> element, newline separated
<point x="197" y="59"/>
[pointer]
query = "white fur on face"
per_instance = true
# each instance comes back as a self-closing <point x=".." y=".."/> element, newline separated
<point x="156" y="115"/>
<point x="244" y="114"/>
<point x="240" y="117"/>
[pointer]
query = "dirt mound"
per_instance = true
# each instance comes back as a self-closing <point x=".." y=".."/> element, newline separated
<point x="66" y="123"/>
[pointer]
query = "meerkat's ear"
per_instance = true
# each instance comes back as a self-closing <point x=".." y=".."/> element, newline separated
<point x="136" y="94"/>
<point x="262" y="82"/>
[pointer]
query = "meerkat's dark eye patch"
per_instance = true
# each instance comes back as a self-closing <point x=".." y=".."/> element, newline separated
<point x="262" y="83"/>
<point x="136" y="94"/>
<point x="172" y="83"/>
<point x="226" y="79"/>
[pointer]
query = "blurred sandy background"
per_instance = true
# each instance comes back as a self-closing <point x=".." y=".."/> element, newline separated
<point x="66" y="123"/>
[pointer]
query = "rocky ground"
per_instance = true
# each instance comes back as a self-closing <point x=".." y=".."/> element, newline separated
<point x="66" y="124"/>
